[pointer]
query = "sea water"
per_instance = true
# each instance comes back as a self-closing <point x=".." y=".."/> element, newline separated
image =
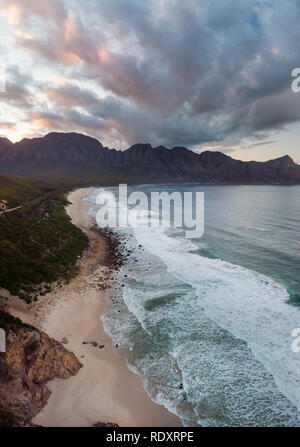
<point x="207" y="323"/>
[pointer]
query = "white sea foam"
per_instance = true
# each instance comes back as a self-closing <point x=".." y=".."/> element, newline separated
<point x="248" y="305"/>
<point x="220" y="331"/>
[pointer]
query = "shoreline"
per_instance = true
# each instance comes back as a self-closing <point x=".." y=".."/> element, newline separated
<point x="105" y="389"/>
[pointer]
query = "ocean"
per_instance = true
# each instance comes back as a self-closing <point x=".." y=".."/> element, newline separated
<point x="207" y="323"/>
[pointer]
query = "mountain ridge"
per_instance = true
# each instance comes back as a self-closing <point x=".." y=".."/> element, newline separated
<point x="84" y="159"/>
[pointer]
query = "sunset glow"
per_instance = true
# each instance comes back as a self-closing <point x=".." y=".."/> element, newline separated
<point x="127" y="71"/>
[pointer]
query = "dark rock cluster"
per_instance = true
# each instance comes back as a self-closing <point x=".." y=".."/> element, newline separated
<point x="30" y="361"/>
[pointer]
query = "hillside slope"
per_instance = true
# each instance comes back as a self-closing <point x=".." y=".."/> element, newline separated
<point x="38" y="242"/>
<point x="17" y="191"/>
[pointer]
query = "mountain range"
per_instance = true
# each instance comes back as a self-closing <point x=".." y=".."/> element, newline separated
<point x="77" y="158"/>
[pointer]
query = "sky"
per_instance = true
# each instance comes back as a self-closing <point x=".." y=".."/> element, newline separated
<point x="207" y="75"/>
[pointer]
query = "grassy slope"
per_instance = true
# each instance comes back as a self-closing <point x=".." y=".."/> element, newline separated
<point x="38" y="243"/>
<point x="17" y="191"/>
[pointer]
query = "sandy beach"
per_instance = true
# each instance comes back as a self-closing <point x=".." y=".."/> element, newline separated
<point x="104" y="389"/>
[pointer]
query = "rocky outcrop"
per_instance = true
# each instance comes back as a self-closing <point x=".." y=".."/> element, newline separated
<point x="30" y="361"/>
<point x="83" y="159"/>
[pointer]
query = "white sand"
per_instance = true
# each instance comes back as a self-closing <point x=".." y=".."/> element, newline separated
<point x="104" y="389"/>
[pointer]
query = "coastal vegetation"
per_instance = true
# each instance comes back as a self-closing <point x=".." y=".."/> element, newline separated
<point x="38" y="242"/>
<point x="14" y="191"/>
<point x="38" y="245"/>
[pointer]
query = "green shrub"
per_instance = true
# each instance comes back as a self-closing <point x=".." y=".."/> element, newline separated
<point x="36" y="250"/>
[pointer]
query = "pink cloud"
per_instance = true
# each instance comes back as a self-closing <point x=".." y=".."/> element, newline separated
<point x="18" y="11"/>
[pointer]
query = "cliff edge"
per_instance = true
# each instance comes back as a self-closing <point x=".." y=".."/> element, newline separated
<point x="31" y="359"/>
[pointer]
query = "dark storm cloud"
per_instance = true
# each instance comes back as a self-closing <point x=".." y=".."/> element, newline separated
<point x="71" y="95"/>
<point x="177" y="73"/>
<point x="17" y="92"/>
<point x="72" y="119"/>
<point x="275" y="111"/>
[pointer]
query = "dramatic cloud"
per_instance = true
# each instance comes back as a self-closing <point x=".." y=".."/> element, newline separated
<point x="165" y="71"/>
<point x="21" y="11"/>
